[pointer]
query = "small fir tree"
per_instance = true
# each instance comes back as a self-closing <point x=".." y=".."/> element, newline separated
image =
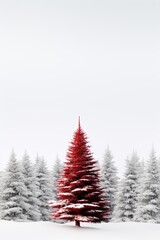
<point x="2" y="176"/>
<point x="109" y="179"/>
<point x="44" y="189"/>
<point x="118" y="212"/>
<point x="150" y="206"/>
<point x="126" y="205"/>
<point x="80" y="196"/>
<point x="55" y="175"/>
<point x="140" y="190"/>
<point x="29" y="180"/>
<point x="14" y="201"/>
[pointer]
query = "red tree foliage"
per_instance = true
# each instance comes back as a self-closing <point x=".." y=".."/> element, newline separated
<point x="81" y="198"/>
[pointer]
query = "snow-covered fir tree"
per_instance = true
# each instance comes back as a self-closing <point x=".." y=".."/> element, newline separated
<point x="140" y="190"/>
<point x="45" y="194"/>
<point x="2" y="175"/>
<point x="118" y="212"/>
<point x="29" y="180"/>
<point x="150" y="207"/>
<point x="14" y="201"/>
<point x="109" y="179"/>
<point x="126" y="202"/>
<point x="55" y="175"/>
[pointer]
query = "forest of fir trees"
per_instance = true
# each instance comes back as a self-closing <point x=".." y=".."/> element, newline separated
<point x="27" y="187"/>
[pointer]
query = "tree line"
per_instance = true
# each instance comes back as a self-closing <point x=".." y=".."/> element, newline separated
<point x="27" y="188"/>
<point x="136" y="195"/>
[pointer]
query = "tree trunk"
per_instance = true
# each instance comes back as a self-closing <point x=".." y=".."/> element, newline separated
<point x="77" y="223"/>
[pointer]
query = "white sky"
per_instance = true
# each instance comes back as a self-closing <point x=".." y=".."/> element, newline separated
<point x="95" y="58"/>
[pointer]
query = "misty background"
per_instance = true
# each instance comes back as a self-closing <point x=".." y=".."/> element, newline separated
<point x="96" y="59"/>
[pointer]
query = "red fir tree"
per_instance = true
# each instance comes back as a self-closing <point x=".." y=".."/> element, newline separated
<point x="80" y="196"/>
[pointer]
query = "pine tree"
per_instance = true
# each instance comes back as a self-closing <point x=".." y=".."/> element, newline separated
<point x="44" y="189"/>
<point x="140" y="190"/>
<point x="126" y="205"/>
<point x="118" y="212"/>
<point x="150" y="208"/>
<point x="109" y="179"/>
<point x="2" y="176"/>
<point x="80" y="195"/>
<point x="55" y="175"/>
<point x="29" y="180"/>
<point x="14" y="201"/>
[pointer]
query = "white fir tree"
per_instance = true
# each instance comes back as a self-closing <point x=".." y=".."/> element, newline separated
<point x="118" y="212"/>
<point x="140" y="190"/>
<point x="55" y="175"/>
<point x="150" y="207"/>
<point x="109" y="179"/>
<point x="29" y="180"/>
<point x="2" y="176"/>
<point x="128" y="195"/>
<point x="14" y="201"/>
<point x="45" y="194"/>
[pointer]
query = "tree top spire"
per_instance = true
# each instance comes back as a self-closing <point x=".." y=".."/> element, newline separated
<point x="79" y="123"/>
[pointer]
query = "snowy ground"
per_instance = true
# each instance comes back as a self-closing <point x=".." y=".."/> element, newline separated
<point x="52" y="231"/>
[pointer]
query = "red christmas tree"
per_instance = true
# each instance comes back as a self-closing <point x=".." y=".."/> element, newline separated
<point x="80" y="196"/>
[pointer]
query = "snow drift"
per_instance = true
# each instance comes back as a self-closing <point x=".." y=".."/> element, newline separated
<point x="52" y="231"/>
